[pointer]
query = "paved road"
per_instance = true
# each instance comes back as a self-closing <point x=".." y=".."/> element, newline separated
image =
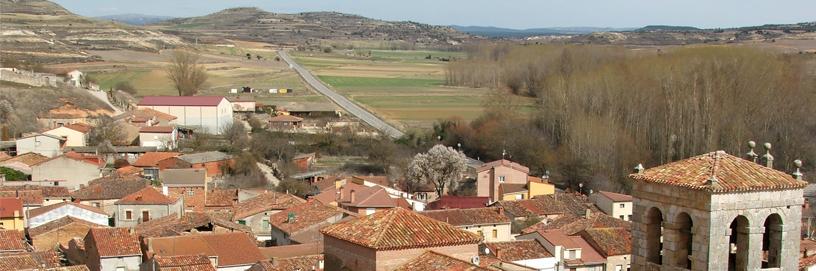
<point x="341" y="100"/>
<point x="350" y="106"/>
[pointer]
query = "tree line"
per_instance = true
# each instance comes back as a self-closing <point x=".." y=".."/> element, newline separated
<point x="601" y="110"/>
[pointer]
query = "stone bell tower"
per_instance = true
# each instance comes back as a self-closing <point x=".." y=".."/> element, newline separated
<point x="716" y="212"/>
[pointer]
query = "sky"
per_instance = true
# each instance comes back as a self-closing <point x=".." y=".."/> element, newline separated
<point x="501" y="13"/>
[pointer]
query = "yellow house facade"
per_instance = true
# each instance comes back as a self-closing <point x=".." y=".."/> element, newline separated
<point x="11" y="214"/>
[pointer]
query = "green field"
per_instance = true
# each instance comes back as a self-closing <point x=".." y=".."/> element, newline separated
<point x="404" y="87"/>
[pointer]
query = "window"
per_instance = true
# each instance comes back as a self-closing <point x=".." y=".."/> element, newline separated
<point x="145" y="216"/>
<point x="495" y="233"/>
<point x="95" y="204"/>
<point x="621" y="217"/>
<point x="619" y="267"/>
<point x="481" y="233"/>
<point x="265" y="224"/>
<point x="56" y="183"/>
<point x="190" y="192"/>
<point x="128" y="215"/>
<point x="501" y="179"/>
<point x="622" y="205"/>
<point x="242" y="222"/>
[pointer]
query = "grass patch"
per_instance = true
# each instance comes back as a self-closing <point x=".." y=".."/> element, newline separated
<point x="356" y="83"/>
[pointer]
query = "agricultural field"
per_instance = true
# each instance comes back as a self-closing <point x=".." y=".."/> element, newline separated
<point x="407" y="88"/>
<point x="227" y="68"/>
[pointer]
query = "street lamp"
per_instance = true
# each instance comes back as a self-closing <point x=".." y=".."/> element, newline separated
<point x="581" y="188"/>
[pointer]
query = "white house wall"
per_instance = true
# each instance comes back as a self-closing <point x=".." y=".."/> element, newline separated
<point x="68" y="210"/>
<point x="72" y="173"/>
<point x="73" y="138"/>
<point x="44" y="145"/>
<point x="210" y="119"/>
<point x="130" y="263"/>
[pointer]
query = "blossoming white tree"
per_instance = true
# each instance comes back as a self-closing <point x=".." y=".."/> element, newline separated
<point x="441" y="166"/>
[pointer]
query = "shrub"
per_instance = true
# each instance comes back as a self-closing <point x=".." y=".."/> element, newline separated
<point x="126" y="87"/>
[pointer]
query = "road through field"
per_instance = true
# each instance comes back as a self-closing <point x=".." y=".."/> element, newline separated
<point x="350" y="106"/>
<point x="341" y="100"/>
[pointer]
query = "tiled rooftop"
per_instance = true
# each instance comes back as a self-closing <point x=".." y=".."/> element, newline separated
<point x="615" y="197"/>
<point x="42" y="260"/>
<point x="12" y="240"/>
<point x="431" y="260"/>
<point x="150" y="159"/>
<point x="146" y="196"/>
<point x="572" y="224"/>
<point x="11" y="208"/>
<point x="398" y="228"/>
<point x="59" y="223"/>
<point x="235" y="248"/>
<point x="305" y="263"/>
<point x="469" y="217"/>
<point x="109" y="188"/>
<point x="184" y="263"/>
<point x="503" y="162"/>
<point x="267" y="201"/>
<point x="172" y="225"/>
<point x="730" y="174"/>
<point x="113" y="242"/>
<point x="512" y="251"/>
<point x="306" y="214"/>
<point x="609" y="241"/>
<point x="457" y="202"/>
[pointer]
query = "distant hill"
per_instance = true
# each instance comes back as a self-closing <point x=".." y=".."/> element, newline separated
<point x="135" y="19"/>
<point x="498" y="32"/>
<point x="666" y="28"/>
<point x="306" y="28"/>
<point x="45" y="32"/>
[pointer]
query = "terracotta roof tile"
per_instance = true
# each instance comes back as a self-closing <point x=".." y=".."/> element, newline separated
<point x="267" y="201"/>
<point x="79" y="127"/>
<point x="59" y="223"/>
<point x="364" y="196"/>
<point x="157" y="129"/>
<point x="398" y="228"/>
<point x="456" y="202"/>
<point x="380" y="180"/>
<point x="150" y="113"/>
<point x="571" y="224"/>
<point x="615" y="197"/>
<point x="110" y="187"/>
<point x="512" y="251"/>
<point x="221" y="198"/>
<point x="41" y="260"/>
<point x="181" y="100"/>
<point x="184" y="263"/>
<point x="292" y="250"/>
<point x="11" y="207"/>
<point x="29" y="158"/>
<point x="146" y="196"/>
<point x="431" y="260"/>
<point x="12" y="240"/>
<point x="505" y="163"/>
<point x="151" y="159"/>
<point x="588" y="254"/>
<point x="29" y="197"/>
<point x="307" y="215"/>
<point x="731" y="174"/>
<point x="305" y="263"/>
<point x="609" y="241"/>
<point x="234" y="248"/>
<point x="469" y="217"/>
<point x="189" y="221"/>
<point x="539" y="206"/>
<point x="113" y="242"/>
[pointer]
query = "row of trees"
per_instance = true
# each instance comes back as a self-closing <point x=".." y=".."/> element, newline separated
<point x="601" y="110"/>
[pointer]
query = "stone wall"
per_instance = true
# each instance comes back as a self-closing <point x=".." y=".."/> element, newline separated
<point x="29" y="78"/>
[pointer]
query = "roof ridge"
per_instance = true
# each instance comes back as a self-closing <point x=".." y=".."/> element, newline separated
<point x="389" y="221"/>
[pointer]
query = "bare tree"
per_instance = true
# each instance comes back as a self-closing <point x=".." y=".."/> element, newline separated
<point x="106" y="130"/>
<point x="441" y="166"/>
<point x="186" y="72"/>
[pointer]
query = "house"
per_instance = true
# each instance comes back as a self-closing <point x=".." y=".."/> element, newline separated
<point x="146" y="117"/>
<point x="529" y="253"/>
<point x="614" y="204"/>
<point x="614" y="244"/>
<point x="255" y="212"/>
<point x="534" y="187"/>
<point x="161" y="137"/>
<point x="23" y="162"/>
<point x="70" y="170"/>
<point x="213" y="161"/>
<point x="46" y="214"/>
<point x="285" y="123"/>
<point x="359" y="199"/>
<point x="103" y="192"/>
<point x="227" y="251"/>
<point x="60" y="232"/>
<point x="807" y="253"/>
<point x="11" y="214"/>
<point x="457" y="202"/>
<point x="432" y="260"/>
<point x="491" y="175"/>
<point x="44" y="144"/>
<point x="75" y="135"/>
<point x="12" y="241"/>
<point x="75" y="78"/>
<point x="112" y="249"/>
<point x="387" y="240"/>
<point x="385" y="183"/>
<point x="242" y="103"/>
<point x="144" y="205"/>
<point x="571" y="251"/>
<point x="489" y="223"/>
<point x="305" y="263"/>
<point x="207" y="114"/>
<point x="129" y="153"/>
<point x="179" y="263"/>
<point x="68" y="113"/>
<point x="304" y="161"/>
<point x="187" y="183"/>
<point x="31" y="198"/>
<point x="46" y="195"/>
<point x="149" y="162"/>
<point x="39" y="260"/>
<point x="544" y="208"/>
<point x="187" y="223"/>
<point x="301" y="223"/>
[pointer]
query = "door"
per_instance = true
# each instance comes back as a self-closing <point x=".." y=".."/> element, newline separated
<point x="145" y="216"/>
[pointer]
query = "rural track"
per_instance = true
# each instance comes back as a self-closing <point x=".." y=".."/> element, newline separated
<point x="340" y="100"/>
<point x="350" y="106"/>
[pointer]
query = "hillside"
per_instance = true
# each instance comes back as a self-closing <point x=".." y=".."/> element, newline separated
<point x="134" y="19"/>
<point x="681" y="35"/>
<point x="305" y="28"/>
<point x="499" y="32"/>
<point x="45" y="32"/>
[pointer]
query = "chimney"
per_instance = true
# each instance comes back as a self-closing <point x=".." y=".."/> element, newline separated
<point x="767" y="158"/>
<point x="588" y="213"/>
<point x="165" y="190"/>
<point x="351" y="196"/>
<point x="751" y="155"/>
<point x="639" y="168"/>
<point x="340" y="194"/>
<point x="797" y="174"/>
<point x="500" y="210"/>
